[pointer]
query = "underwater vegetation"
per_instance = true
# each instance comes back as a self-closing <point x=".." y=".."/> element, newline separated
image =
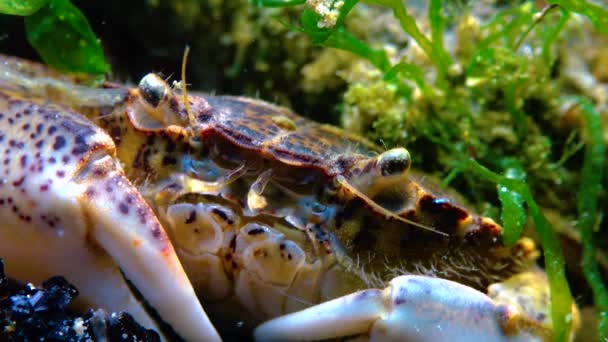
<point x="507" y="103"/>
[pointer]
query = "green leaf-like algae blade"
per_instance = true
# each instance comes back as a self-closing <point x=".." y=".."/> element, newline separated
<point x="513" y="214"/>
<point x="588" y="202"/>
<point x="21" y="7"/>
<point x="61" y="34"/>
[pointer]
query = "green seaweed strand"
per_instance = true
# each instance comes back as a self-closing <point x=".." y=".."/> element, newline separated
<point x="587" y="201"/>
<point x="551" y="37"/>
<point x="344" y="40"/>
<point x="412" y="72"/>
<point x="408" y="24"/>
<point x="596" y="14"/>
<point x="561" y="299"/>
<point x="437" y="26"/>
<point x="537" y="19"/>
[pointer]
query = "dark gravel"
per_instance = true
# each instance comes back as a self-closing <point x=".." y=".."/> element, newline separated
<point x="30" y="313"/>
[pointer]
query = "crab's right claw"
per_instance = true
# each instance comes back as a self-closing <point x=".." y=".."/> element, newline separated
<point x="66" y="208"/>
<point x="412" y="308"/>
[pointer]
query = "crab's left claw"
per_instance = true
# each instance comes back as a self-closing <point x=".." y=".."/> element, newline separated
<point x="130" y="233"/>
<point x="411" y="308"/>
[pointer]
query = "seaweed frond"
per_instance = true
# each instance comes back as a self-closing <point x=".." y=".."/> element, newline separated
<point x="588" y="203"/>
<point x="61" y="35"/>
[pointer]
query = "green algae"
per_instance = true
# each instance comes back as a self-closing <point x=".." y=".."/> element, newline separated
<point x="587" y="203"/>
<point x="26" y="7"/>
<point x="338" y="37"/>
<point x="597" y="14"/>
<point x="433" y="49"/>
<point x="61" y="35"/>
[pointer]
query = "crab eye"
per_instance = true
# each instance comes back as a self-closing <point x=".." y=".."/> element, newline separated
<point x="394" y="162"/>
<point x="153" y="89"/>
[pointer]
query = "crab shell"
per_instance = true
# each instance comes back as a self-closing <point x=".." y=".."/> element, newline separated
<point x="68" y="206"/>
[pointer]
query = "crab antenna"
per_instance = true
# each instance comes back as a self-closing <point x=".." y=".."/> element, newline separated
<point x="343" y="182"/>
<point x="191" y="117"/>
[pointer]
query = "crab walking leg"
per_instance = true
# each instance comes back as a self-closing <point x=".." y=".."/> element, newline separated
<point x="66" y="208"/>
<point x="412" y="308"/>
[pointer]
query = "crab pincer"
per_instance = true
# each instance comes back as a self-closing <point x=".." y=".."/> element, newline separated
<point x="412" y="308"/>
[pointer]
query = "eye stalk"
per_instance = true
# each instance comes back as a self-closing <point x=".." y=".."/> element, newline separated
<point x="153" y="89"/>
<point x="385" y="172"/>
<point x="382" y="183"/>
<point x="158" y="105"/>
<point x="394" y="162"/>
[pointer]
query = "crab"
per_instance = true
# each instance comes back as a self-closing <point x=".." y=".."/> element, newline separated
<point x="279" y="226"/>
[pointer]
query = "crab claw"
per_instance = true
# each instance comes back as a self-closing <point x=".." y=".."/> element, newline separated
<point x="66" y="208"/>
<point x="411" y="308"/>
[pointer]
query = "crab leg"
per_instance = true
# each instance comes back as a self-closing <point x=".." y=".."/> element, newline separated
<point x="417" y="308"/>
<point x="66" y="208"/>
<point x="255" y="200"/>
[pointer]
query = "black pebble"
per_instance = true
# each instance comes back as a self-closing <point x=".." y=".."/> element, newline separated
<point x="29" y="313"/>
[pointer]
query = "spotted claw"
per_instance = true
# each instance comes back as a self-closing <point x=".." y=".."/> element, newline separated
<point x="67" y="208"/>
